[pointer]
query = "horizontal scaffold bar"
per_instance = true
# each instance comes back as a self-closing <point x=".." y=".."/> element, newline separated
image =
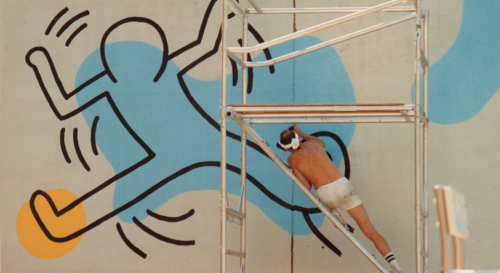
<point x="323" y="108"/>
<point x="325" y="10"/>
<point x="327" y="120"/>
<point x="323" y="113"/>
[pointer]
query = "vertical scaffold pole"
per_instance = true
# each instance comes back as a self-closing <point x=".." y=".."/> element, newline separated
<point x="244" y="79"/>
<point x="418" y="211"/>
<point x="425" y="129"/>
<point x="223" y="103"/>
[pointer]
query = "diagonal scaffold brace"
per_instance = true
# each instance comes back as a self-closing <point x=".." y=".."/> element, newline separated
<point x="338" y="224"/>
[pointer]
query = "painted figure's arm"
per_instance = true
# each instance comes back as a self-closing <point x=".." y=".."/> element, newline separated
<point x="39" y="59"/>
<point x="210" y="23"/>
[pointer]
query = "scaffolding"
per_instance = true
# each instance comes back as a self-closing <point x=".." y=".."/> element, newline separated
<point x="245" y="114"/>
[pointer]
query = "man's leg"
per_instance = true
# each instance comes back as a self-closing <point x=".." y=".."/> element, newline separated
<point x="360" y="215"/>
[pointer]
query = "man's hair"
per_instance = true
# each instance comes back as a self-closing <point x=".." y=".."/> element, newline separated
<point x="286" y="137"/>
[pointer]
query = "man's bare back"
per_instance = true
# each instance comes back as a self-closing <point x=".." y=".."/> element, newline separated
<point x="311" y="162"/>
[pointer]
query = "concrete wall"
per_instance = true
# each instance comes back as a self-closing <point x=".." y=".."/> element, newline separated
<point x="119" y="133"/>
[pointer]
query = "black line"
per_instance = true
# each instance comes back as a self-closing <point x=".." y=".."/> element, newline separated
<point x="128" y="243"/>
<point x="55" y="19"/>
<point x="92" y="135"/>
<point x="73" y="35"/>
<point x="104" y="95"/>
<point x="231" y="15"/>
<point x="250" y="71"/>
<point x="197" y="107"/>
<point x="85" y="84"/>
<point x="250" y="76"/>
<point x="200" y="33"/>
<point x="169" y="218"/>
<point x="234" y="70"/>
<point x="150" y="22"/>
<point x="343" y="148"/>
<point x="271" y="195"/>
<point x="63" y="145"/>
<point x="57" y="80"/>
<point x="150" y="153"/>
<point x="71" y="21"/>
<point x="78" y="151"/>
<point x="161" y="237"/>
<point x="141" y="197"/>
<point x="259" y="39"/>
<point x="205" y="56"/>
<point x="320" y="235"/>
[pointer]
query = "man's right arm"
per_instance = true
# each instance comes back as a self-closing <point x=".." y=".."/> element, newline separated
<point x="308" y="137"/>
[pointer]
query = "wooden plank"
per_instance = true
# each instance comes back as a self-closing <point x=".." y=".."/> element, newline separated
<point x="317" y="104"/>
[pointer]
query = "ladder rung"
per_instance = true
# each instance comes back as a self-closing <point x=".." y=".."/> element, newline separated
<point x="235" y="253"/>
<point x="234" y="216"/>
<point x="235" y="213"/>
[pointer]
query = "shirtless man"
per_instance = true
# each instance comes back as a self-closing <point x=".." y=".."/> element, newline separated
<point x="312" y="166"/>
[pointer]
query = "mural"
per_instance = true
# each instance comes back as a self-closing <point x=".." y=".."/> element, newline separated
<point x="472" y="63"/>
<point x="141" y="106"/>
<point x="114" y="89"/>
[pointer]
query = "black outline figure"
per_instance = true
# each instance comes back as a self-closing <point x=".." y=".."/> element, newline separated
<point x="150" y="154"/>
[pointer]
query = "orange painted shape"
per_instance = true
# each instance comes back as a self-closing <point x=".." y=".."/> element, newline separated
<point x="31" y="235"/>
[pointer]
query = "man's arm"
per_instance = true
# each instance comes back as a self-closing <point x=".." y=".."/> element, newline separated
<point x="308" y="137"/>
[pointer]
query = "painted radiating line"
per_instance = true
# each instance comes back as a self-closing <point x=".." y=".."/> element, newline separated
<point x="161" y="237"/>
<point x="71" y="21"/>
<point x="63" y="145"/>
<point x="55" y="19"/>
<point x="93" y="135"/>
<point x="169" y="218"/>
<point x="79" y="151"/>
<point x="129" y="243"/>
<point x="76" y="32"/>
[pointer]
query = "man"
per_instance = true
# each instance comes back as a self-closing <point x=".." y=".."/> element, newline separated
<point x="312" y="166"/>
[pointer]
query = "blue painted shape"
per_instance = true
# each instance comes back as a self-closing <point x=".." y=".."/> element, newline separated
<point x="162" y="116"/>
<point x="468" y="75"/>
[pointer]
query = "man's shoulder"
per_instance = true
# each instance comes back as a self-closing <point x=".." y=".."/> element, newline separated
<point x="313" y="142"/>
<point x="293" y="158"/>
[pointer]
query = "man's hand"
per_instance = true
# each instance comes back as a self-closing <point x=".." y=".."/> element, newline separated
<point x="305" y="136"/>
<point x="297" y="130"/>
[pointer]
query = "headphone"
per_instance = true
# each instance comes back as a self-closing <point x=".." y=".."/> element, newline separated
<point x="294" y="144"/>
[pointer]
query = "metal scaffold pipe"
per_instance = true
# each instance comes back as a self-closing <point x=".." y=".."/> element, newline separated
<point x="313" y="29"/>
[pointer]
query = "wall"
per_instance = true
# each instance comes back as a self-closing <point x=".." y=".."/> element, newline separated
<point x="109" y="135"/>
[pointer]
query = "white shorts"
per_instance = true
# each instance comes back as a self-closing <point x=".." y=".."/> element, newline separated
<point x="339" y="194"/>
